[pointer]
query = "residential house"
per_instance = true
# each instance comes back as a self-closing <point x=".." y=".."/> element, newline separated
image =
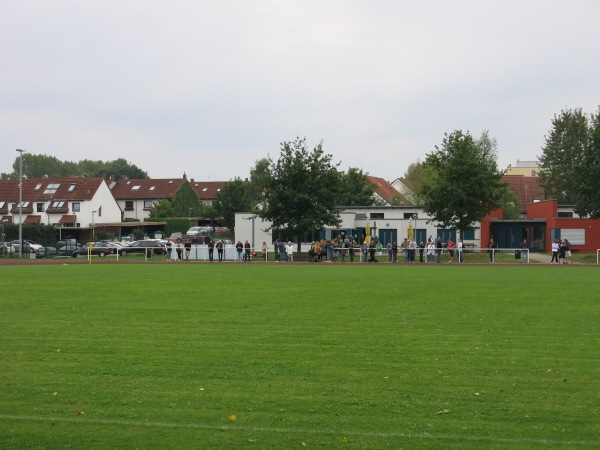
<point x="74" y="203"/>
<point x="136" y="197"/>
<point x="207" y="190"/>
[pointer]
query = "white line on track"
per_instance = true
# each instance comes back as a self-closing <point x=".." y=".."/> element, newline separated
<point x="418" y="436"/>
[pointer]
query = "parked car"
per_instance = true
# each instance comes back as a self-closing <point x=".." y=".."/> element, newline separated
<point x="45" y="252"/>
<point x="176" y="235"/>
<point x="198" y="231"/>
<point x="115" y="246"/>
<point x="97" y="248"/>
<point x="28" y="246"/>
<point x="141" y="246"/>
<point x="6" y="248"/>
<point x="67" y="249"/>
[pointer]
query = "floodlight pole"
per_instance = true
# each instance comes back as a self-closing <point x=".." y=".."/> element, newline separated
<point x="21" y="151"/>
<point x="93" y="238"/>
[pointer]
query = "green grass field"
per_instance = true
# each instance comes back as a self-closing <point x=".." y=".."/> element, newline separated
<point x="292" y="356"/>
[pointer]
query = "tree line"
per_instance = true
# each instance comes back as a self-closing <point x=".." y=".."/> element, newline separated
<point x="38" y="166"/>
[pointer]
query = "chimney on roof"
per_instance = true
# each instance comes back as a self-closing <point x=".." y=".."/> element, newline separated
<point x="192" y="180"/>
<point x="184" y="176"/>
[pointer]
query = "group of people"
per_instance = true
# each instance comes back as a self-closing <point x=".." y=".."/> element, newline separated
<point x="183" y="249"/>
<point x="334" y="250"/>
<point x="561" y="251"/>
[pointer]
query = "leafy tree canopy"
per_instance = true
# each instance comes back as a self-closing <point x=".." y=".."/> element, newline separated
<point x="466" y="184"/>
<point x="355" y="189"/>
<point x="235" y="196"/>
<point x="570" y="162"/>
<point x="37" y="166"/>
<point x="302" y="192"/>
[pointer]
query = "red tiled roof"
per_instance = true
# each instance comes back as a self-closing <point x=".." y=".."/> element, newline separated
<point x="386" y="191"/>
<point x="527" y="189"/>
<point x="126" y="189"/>
<point x="45" y="189"/>
<point x="207" y="190"/>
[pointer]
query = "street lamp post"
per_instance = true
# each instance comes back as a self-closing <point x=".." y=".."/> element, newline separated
<point x="20" y="202"/>
<point x="93" y="238"/>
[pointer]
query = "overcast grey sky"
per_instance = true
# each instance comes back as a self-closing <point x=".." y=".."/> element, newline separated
<point x="209" y="87"/>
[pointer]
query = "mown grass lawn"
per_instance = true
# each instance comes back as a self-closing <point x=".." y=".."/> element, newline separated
<point x="293" y="356"/>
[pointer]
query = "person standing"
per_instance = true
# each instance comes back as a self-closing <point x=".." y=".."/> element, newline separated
<point x="239" y="248"/>
<point x="439" y="248"/>
<point x="282" y="251"/>
<point x="412" y="248"/>
<point x="220" y="250"/>
<point x="276" y="249"/>
<point x="404" y="248"/>
<point x="568" y="255"/>
<point x="211" y="250"/>
<point x="179" y="249"/>
<point x="264" y="249"/>
<point x="459" y="251"/>
<point x="188" y="248"/>
<point x="169" y="250"/>
<point x="555" y="249"/>
<point x="450" y="248"/>
<point x="351" y="250"/>
<point x="524" y="251"/>
<point x="247" y="251"/>
<point x="491" y="250"/>
<point x="421" y="251"/>
<point x="430" y="252"/>
<point x="289" y="250"/>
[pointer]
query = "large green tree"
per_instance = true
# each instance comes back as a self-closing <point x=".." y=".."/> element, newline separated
<point x="301" y="195"/>
<point x="466" y="184"/>
<point x="235" y="196"/>
<point x="570" y="162"/>
<point x="185" y="202"/>
<point x="562" y="155"/>
<point x="587" y="175"/>
<point x="355" y="189"/>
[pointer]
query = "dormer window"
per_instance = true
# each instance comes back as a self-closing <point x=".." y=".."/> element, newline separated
<point x="23" y="205"/>
<point x="52" y="188"/>
<point x="72" y="187"/>
<point x="58" y="203"/>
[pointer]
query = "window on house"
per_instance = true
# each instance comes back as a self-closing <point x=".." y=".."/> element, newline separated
<point x="128" y="205"/>
<point x="58" y="203"/>
<point x="22" y="204"/>
<point x="204" y="189"/>
<point x="72" y="187"/>
<point x="147" y="204"/>
<point x="136" y="187"/>
<point x="38" y="187"/>
<point x="52" y="188"/>
<point x="171" y="181"/>
<point x="100" y="211"/>
<point x="41" y="207"/>
<point x="76" y="207"/>
<point x="152" y="188"/>
<point x="567" y="214"/>
<point x="411" y="216"/>
<point x="377" y="216"/>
